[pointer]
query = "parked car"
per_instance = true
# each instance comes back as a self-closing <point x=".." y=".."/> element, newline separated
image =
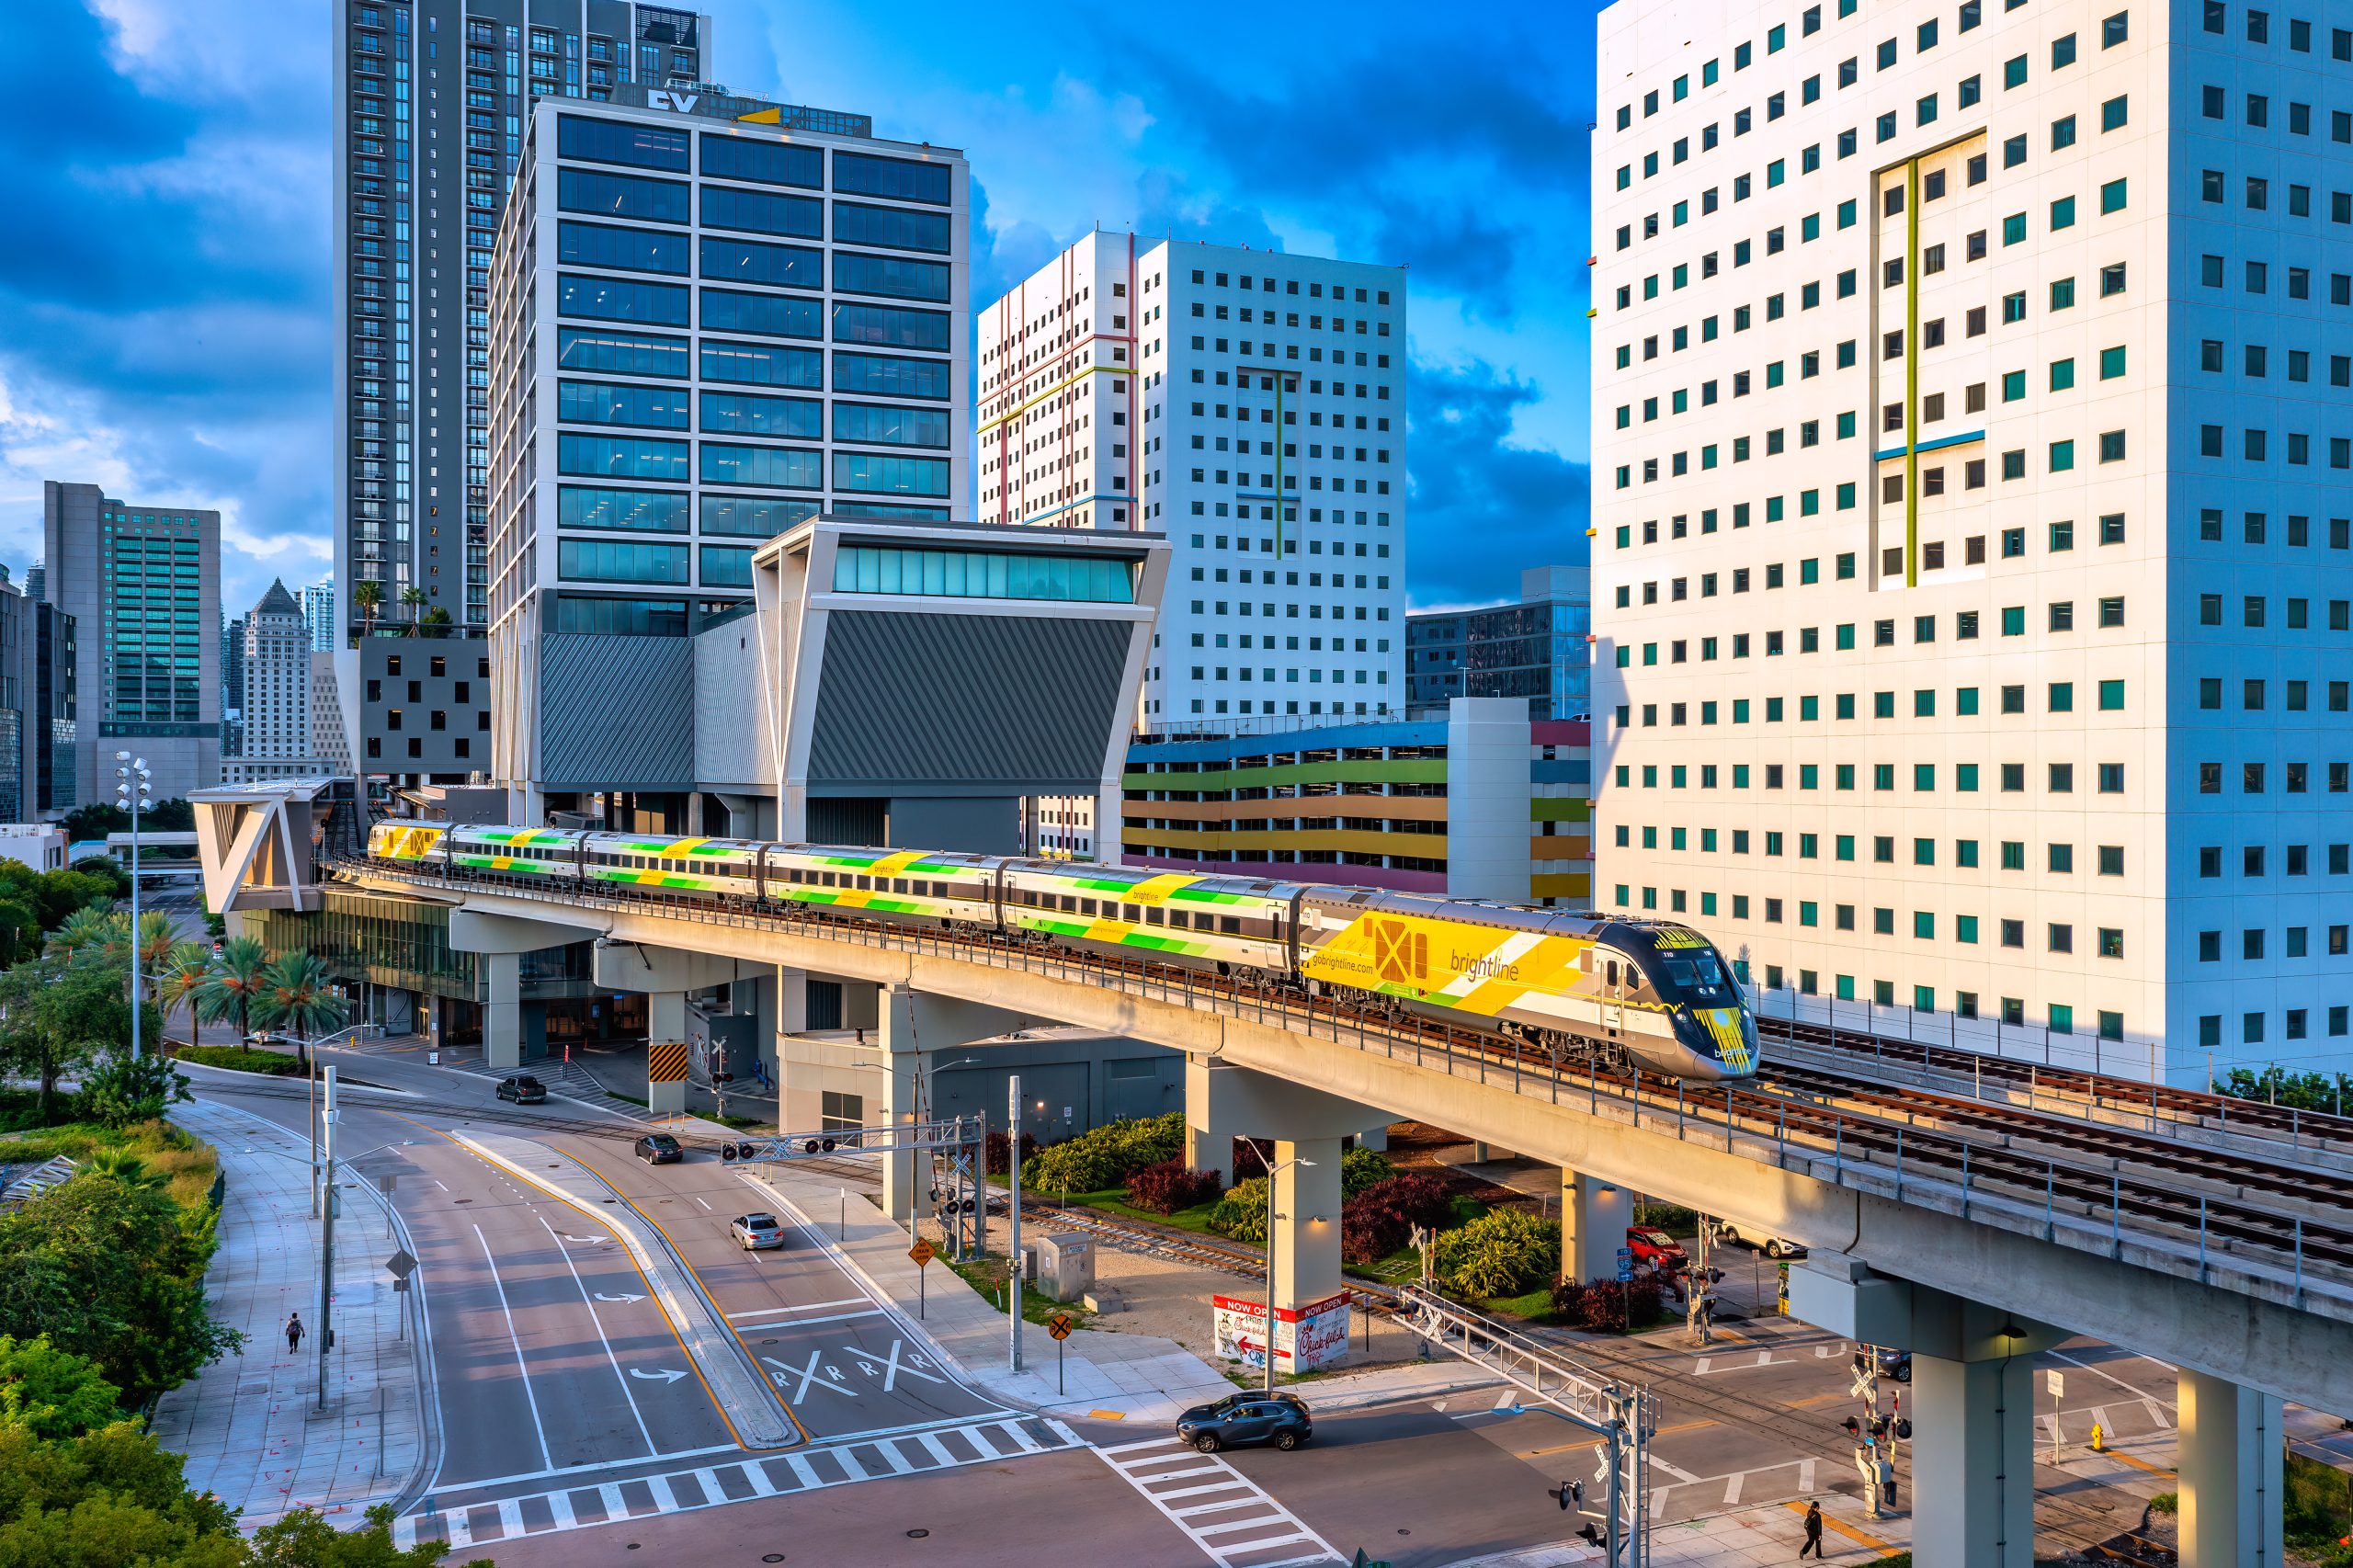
<point x="523" y="1089"/>
<point x="1651" y="1245"/>
<point x="1770" y="1245"/>
<point x="755" y="1233"/>
<point x="1278" y="1418"/>
<point x="659" y="1149"/>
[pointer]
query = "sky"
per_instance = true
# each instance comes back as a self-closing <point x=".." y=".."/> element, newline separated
<point x="165" y="225"/>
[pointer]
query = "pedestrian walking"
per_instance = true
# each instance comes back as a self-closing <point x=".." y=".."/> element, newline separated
<point x="1812" y="1533"/>
<point x="293" y="1333"/>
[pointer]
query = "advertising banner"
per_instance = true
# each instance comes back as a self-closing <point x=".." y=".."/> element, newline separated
<point x="1305" y="1338"/>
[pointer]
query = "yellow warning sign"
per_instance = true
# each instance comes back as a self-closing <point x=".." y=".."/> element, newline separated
<point x="921" y="1252"/>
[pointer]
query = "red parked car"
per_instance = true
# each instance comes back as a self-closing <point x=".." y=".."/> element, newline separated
<point x="1651" y="1245"/>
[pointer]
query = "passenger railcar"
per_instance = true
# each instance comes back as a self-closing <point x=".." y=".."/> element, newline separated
<point x="1653" y="992"/>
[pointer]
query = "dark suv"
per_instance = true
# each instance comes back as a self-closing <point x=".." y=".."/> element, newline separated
<point x="658" y="1149"/>
<point x="523" y="1089"/>
<point x="1278" y="1418"/>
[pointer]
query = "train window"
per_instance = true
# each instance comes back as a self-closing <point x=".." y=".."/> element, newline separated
<point x="1230" y="923"/>
<point x="1086" y="907"/>
<point x="1613" y="971"/>
<point x="1155" y="916"/>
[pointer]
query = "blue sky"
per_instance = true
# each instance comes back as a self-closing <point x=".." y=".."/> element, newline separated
<point x="165" y="224"/>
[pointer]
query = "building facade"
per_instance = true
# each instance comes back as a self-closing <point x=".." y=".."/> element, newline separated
<point x="1988" y="662"/>
<point x="1251" y="406"/>
<point x="233" y="686"/>
<point x="318" y="615"/>
<point x="53" y="670"/>
<point x="1475" y="802"/>
<point x="143" y="584"/>
<point x="431" y="101"/>
<point x="1539" y="649"/>
<point x="711" y="320"/>
<point x="276" y="707"/>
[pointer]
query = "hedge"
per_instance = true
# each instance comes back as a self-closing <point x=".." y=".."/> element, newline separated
<point x="1165" y="1187"/>
<point x="1507" y="1252"/>
<point x="1106" y="1157"/>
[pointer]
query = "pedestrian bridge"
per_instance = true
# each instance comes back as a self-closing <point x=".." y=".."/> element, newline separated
<point x="1969" y="1232"/>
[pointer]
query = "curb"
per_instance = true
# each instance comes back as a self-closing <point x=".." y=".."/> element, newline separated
<point x="760" y="1422"/>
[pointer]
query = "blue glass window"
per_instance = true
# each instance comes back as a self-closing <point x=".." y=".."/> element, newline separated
<point x="981" y="575"/>
<point x="726" y="566"/>
<point x="620" y="561"/>
<point x="749" y="516"/>
<point x="874" y="472"/>
<point x="643" y="511"/>
<point x="893" y="227"/>
<point x="786" y="468"/>
<point x="890" y="275"/>
<point x="876" y="375"/>
<point x="632" y="250"/>
<point x="622" y="457"/>
<point x="620" y="141"/>
<point x="801" y="217"/>
<point x="616" y="299"/>
<point x="895" y="179"/>
<point x="887" y="328"/>
<point x="748" y="261"/>
<point x="886" y="426"/>
<point x="769" y="163"/>
<point x="620" y="353"/>
<point x="776" y="314"/>
<point x="595" y="613"/>
<point x="743" y="413"/>
<point x="763" y="365"/>
<point x="605" y="402"/>
<point x="621" y="196"/>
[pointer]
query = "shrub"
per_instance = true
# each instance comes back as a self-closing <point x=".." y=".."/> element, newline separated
<point x="1361" y="1168"/>
<point x="1242" y="1212"/>
<point x="1671" y="1218"/>
<point x="1604" y="1306"/>
<point x="121" y="1089"/>
<point x="1168" y="1187"/>
<point x="1381" y="1218"/>
<point x="1106" y="1156"/>
<point x="999" y="1149"/>
<point x="1249" y="1158"/>
<point x="1508" y="1252"/>
<point x="243" y="1059"/>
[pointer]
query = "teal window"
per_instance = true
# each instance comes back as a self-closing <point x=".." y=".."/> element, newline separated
<point x="1924" y="703"/>
<point x="2112" y="696"/>
<point x="1845" y="637"/>
<point x="2111" y="197"/>
<point x="754" y="517"/>
<point x="1964" y="928"/>
<point x="874" y="473"/>
<point x="620" y="353"/>
<point x="2062" y="456"/>
<point x="1964" y="778"/>
<point x="1846" y="432"/>
<point x="622" y="457"/>
<point x="725" y="566"/>
<point x="749" y="414"/>
<point x="1882" y="776"/>
<point x="982" y="575"/>
<point x="1845" y="491"/>
<point x="1924" y="997"/>
<point x="1923" y="777"/>
<point x="1809" y="913"/>
<point x="609" y="402"/>
<point x="763" y="365"/>
<point x="1847" y="214"/>
<point x="1923" y="925"/>
<point x="639" y="511"/>
<point x="2063" y="1018"/>
<point x="2063" y="213"/>
<point x="2063" y="696"/>
<point x="1964" y="853"/>
<point x="1964" y="700"/>
<point x="2014" y="621"/>
<point x="2112" y="363"/>
<point x="1810" y="227"/>
<point x="1809" y="504"/>
<point x="1923" y="852"/>
<point x="2014" y="229"/>
<point x="2014" y="72"/>
<point x="2013" y="385"/>
<point x="620" y="561"/>
<point x="786" y="468"/>
<point x="2062" y="374"/>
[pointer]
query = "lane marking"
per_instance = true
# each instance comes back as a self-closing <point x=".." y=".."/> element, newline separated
<point x="1289" y="1528"/>
<point x="610" y="1359"/>
<point x="796" y="1323"/>
<point x="546" y="1458"/>
<point x="803" y="1307"/>
<point x="2102" y="1372"/>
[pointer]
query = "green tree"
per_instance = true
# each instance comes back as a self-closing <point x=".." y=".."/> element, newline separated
<point x="50" y="1392"/>
<point x="113" y="1270"/>
<point x="436" y="621"/>
<point x="367" y="598"/>
<point x="105" y="870"/>
<point x="58" y="1012"/>
<point x="236" y="980"/>
<point x="57" y="895"/>
<point x="123" y="1089"/>
<point x="296" y="995"/>
<point x="412" y="601"/>
<point x="92" y="930"/>
<point x="179" y="980"/>
<point x="175" y="815"/>
<point x="93" y="820"/>
<point x="303" y="1539"/>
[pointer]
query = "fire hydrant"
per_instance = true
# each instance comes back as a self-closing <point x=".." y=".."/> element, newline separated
<point x="2099" y="1445"/>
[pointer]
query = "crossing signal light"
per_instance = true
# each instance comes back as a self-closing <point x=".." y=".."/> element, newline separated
<point x="727" y="1154"/>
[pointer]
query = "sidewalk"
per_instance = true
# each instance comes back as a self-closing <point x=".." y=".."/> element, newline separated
<point x="248" y="1423"/>
<point x="1134" y="1377"/>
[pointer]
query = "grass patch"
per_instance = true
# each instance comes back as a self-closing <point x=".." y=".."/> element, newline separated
<point x="243" y="1059"/>
<point x="989" y="1276"/>
<point x="188" y="1165"/>
<point x="1114" y="1200"/>
<point x="1535" y="1307"/>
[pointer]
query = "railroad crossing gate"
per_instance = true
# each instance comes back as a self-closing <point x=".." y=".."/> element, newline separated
<point x="666" y="1076"/>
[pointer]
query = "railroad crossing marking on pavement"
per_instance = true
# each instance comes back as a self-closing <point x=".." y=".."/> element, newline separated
<point x="1058" y="1326"/>
<point x="892" y="1366"/>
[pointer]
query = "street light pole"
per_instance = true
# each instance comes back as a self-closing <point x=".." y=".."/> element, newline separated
<point x="132" y="788"/>
<point x="1013" y="1166"/>
<point x="323" y="1328"/>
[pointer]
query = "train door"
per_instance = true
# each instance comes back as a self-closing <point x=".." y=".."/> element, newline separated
<point x="1613" y="997"/>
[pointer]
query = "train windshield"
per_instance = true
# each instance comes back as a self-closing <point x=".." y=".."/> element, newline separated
<point x="1695" y="974"/>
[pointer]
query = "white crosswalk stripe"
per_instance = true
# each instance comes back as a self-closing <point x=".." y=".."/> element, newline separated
<point x="804" y="1470"/>
<point x="1235" y="1523"/>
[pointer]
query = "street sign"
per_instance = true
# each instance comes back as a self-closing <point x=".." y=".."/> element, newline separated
<point x="1625" y="1266"/>
<point x="400" y="1283"/>
<point x="386" y="1182"/>
<point x="400" y="1265"/>
<point x="922" y="1252"/>
<point x="2056" y="1382"/>
<point x="1060" y="1325"/>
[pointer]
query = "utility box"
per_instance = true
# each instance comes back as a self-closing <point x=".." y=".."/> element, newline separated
<point x="1061" y="1266"/>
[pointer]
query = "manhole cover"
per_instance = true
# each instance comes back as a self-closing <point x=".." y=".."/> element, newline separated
<point x="773" y="1557"/>
<point x="917" y="1534"/>
<point x="612" y="1201"/>
<point x="555" y="1167"/>
<point x="462" y="1200"/>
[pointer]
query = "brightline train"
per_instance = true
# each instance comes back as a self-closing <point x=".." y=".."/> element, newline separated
<point x="1656" y="992"/>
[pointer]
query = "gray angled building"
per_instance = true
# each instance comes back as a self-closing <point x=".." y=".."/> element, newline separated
<point x="143" y="584"/>
<point x="1536" y="649"/>
<point x="432" y="97"/>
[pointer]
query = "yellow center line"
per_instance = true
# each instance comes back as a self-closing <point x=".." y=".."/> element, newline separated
<point x="1850" y="1532"/>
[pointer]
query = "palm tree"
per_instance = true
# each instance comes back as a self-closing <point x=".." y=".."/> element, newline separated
<point x="233" y="982"/>
<point x="296" y="995"/>
<point x="91" y="930"/>
<point x="156" y="940"/>
<point x="125" y="1166"/>
<point x="179" y="981"/>
<point x="368" y="595"/>
<point x="412" y="600"/>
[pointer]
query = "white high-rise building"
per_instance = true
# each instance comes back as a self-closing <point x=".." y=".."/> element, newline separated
<point x="318" y="615"/>
<point x="277" y="678"/>
<point x="1199" y="391"/>
<point x="1972" y="567"/>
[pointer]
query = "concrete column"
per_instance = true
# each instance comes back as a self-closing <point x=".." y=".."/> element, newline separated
<point x="1375" y="1138"/>
<point x="1307" y="1222"/>
<point x="502" y="1011"/>
<point x="1208" y="1137"/>
<point x="1207" y="1149"/>
<point x="1594" y="1217"/>
<point x="1973" y="1463"/>
<point x="902" y="1059"/>
<point x="665" y="1024"/>
<point x="2231" y="1488"/>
